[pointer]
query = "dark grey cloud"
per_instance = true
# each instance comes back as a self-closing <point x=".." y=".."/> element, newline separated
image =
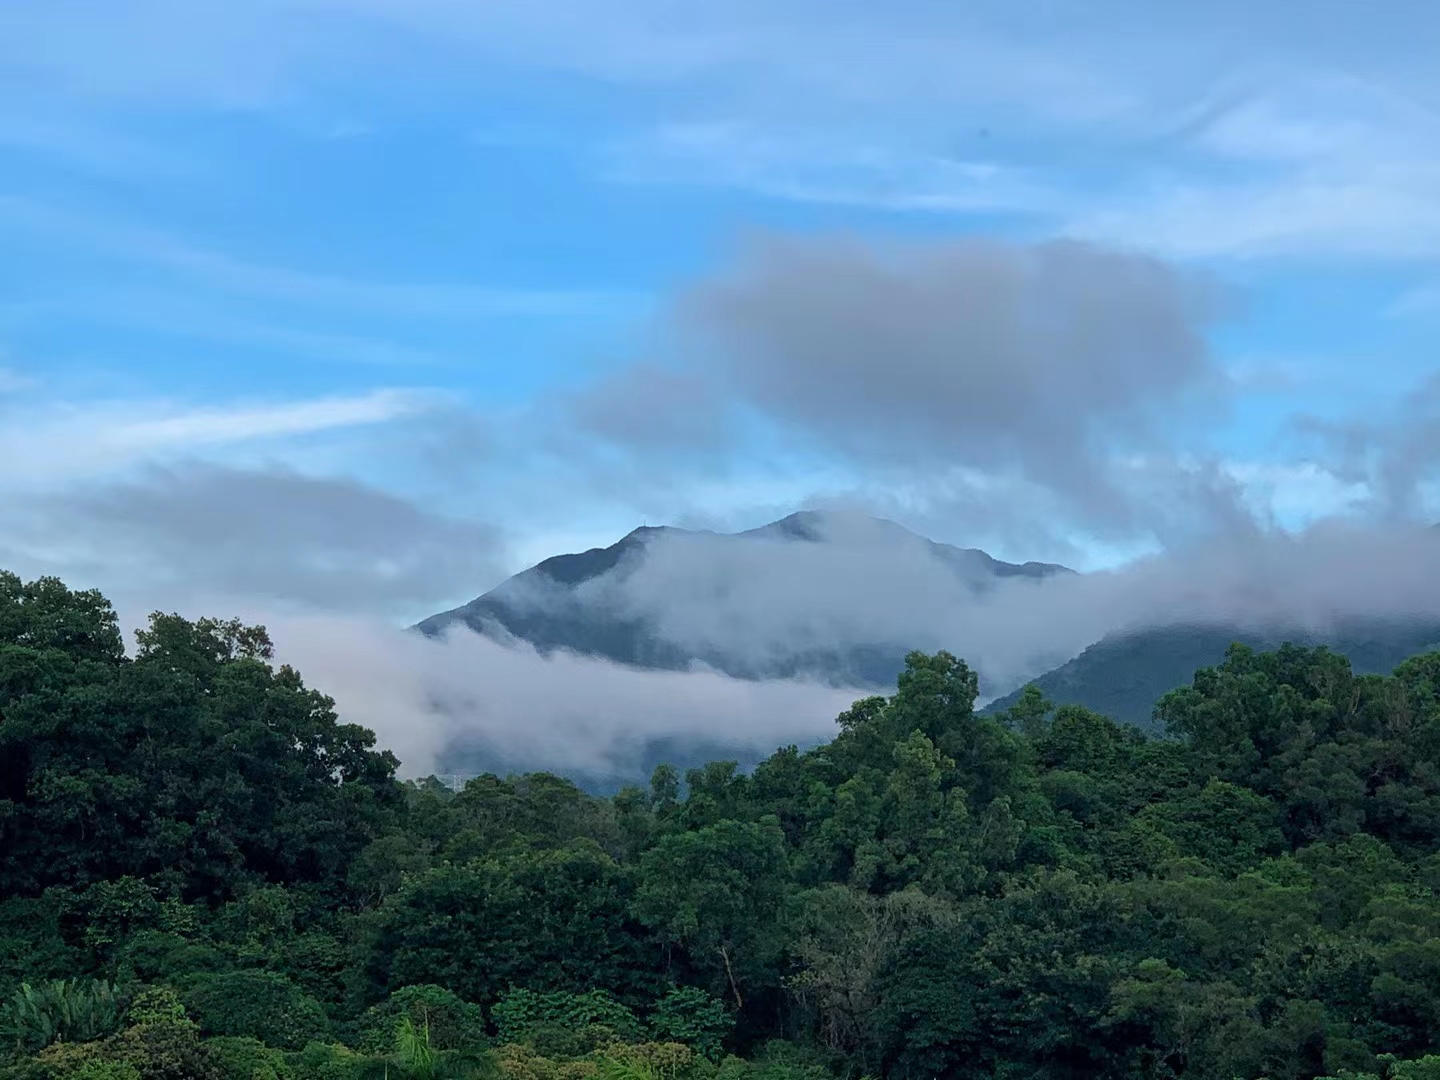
<point x="651" y="407"/>
<point x="1047" y="364"/>
<point x="262" y="536"/>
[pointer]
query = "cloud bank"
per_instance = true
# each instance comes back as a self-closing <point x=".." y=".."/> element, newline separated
<point x="568" y="714"/>
<point x="434" y="702"/>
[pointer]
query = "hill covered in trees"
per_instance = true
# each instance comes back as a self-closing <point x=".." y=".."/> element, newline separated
<point x="1125" y="676"/>
<point x="205" y="873"/>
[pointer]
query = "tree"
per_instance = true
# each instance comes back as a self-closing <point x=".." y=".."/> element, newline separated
<point x="545" y="920"/>
<point x="259" y="1004"/>
<point x="717" y="892"/>
<point x="196" y="767"/>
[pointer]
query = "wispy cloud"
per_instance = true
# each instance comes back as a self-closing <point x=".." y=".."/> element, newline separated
<point x="794" y="166"/>
<point x="93" y="147"/>
<point x="1422" y="300"/>
<point x="12" y="381"/>
<point x="152" y="247"/>
<point x="167" y="315"/>
<point x="69" y="440"/>
<point x="1292" y="131"/>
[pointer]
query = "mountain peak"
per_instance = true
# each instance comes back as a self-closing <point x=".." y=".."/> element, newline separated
<point x="608" y="602"/>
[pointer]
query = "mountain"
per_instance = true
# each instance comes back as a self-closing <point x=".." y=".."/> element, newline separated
<point x="1125" y="675"/>
<point x="576" y="602"/>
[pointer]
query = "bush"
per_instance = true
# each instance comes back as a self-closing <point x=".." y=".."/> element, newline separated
<point x="156" y="954"/>
<point x="563" y="1025"/>
<point x="69" y="1010"/>
<point x="164" y="1050"/>
<point x="155" y="1050"/>
<point x="82" y="1061"/>
<point x="240" y="1058"/>
<point x="652" y="1061"/>
<point x="326" y="1061"/>
<point x="690" y="1016"/>
<point x="100" y="1069"/>
<point x="259" y="1004"/>
<point x="520" y="1062"/>
<point x="454" y="1023"/>
<point x="155" y="1004"/>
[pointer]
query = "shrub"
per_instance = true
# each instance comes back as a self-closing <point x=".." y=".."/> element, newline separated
<point x="561" y="1024"/>
<point x="454" y="1023"/>
<point x="691" y="1016"/>
<point x="241" y="1058"/>
<point x="69" y="1010"/>
<point x="326" y="1061"/>
<point x="259" y="1004"/>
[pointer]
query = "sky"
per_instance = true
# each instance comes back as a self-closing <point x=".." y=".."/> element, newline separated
<point x="351" y="308"/>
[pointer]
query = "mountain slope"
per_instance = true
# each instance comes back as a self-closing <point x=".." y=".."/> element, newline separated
<point x="1124" y="676"/>
<point x="567" y="602"/>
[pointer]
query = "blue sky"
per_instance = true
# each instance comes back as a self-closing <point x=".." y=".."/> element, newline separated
<point x="304" y="291"/>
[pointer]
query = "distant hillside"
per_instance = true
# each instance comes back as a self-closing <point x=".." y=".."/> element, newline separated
<point x="1124" y="676"/>
<point x="559" y="604"/>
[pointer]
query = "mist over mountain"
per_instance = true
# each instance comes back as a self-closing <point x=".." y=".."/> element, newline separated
<point x="643" y="600"/>
<point x="836" y="601"/>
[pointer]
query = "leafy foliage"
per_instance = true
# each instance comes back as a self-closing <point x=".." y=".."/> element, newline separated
<point x="1038" y="893"/>
<point x="258" y="1004"/>
<point x="69" y="1010"/>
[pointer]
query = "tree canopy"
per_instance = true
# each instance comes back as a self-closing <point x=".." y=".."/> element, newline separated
<point x="205" y="872"/>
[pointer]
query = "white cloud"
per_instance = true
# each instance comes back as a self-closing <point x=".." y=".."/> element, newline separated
<point x="204" y="427"/>
<point x="66" y="441"/>
<point x="565" y="713"/>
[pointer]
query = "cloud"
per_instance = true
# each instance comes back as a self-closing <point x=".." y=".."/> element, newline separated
<point x="1036" y="362"/>
<point x="60" y="441"/>
<point x="160" y="313"/>
<point x="427" y="700"/>
<point x="754" y="604"/>
<point x="1299" y="129"/>
<point x="96" y="149"/>
<point x="651" y="408"/>
<point x="1390" y="458"/>
<point x="13" y="382"/>
<point x="220" y="270"/>
<point x="271" y="536"/>
<point x="801" y="167"/>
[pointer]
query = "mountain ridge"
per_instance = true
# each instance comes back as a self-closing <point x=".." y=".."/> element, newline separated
<point x="545" y="606"/>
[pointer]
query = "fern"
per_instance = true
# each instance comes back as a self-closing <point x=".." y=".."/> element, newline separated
<point x="71" y="1010"/>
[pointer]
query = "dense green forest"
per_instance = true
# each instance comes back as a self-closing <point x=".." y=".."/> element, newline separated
<point x="206" y="875"/>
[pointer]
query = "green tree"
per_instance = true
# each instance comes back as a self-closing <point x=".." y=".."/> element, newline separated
<point x="259" y="1004"/>
<point x="717" y="892"/>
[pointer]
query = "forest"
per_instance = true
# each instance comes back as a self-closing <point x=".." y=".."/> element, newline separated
<point x="206" y="874"/>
